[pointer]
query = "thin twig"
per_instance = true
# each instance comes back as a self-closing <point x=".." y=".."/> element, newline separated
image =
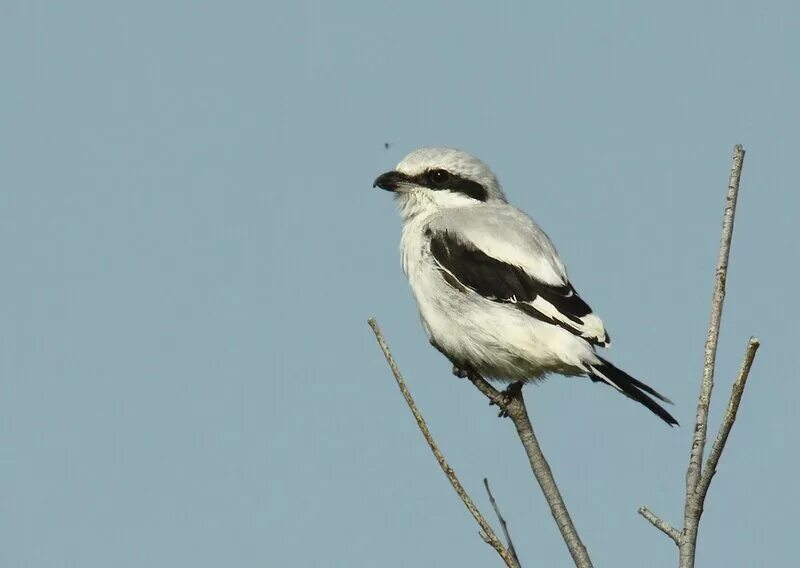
<point x="663" y="526"/>
<point x="717" y="448"/>
<point x="486" y="530"/>
<point x="694" y="506"/>
<point x="509" y="543"/>
<point x="727" y="421"/>
<point x="513" y="404"/>
<point x="693" y="476"/>
<point x="698" y="478"/>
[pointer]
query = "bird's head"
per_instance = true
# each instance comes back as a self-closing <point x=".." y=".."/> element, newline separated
<point x="430" y="179"/>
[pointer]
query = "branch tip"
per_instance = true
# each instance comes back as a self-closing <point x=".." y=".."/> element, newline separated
<point x="509" y="544"/>
<point x="663" y="526"/>
<point x="737" y="391"/>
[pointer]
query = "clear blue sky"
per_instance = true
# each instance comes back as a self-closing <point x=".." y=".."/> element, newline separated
<point x="190" y="248"/>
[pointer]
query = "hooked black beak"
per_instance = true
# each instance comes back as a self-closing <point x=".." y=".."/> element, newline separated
<point x="390" y="180"/>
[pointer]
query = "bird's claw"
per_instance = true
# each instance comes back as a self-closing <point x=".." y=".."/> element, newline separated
<point x="506" y="397"/>
<point x="460" y="373"/>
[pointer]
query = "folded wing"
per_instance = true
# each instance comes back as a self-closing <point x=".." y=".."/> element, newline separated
<point x="532" y="278"/>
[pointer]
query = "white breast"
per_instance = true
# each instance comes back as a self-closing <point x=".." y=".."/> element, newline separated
<point x="498" y="339"/>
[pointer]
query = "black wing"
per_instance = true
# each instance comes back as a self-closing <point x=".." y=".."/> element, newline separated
<point x="465" y="267"/>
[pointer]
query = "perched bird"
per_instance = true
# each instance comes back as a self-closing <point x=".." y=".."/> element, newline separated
<point x="493" y="295"/>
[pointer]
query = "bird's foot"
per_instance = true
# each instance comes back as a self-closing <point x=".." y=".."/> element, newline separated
<point x="460" y="373"/>
<point x="513" y="390"/>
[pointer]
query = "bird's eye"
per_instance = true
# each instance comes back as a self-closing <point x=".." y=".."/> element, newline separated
<point x="438" y="178"/>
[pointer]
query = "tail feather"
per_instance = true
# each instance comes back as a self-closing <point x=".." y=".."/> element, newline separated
<point x="630" y="387"/>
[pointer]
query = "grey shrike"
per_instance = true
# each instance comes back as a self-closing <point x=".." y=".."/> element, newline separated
<point x="493" y="295"/>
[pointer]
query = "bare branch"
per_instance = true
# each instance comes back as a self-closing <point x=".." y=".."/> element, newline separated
<point x="695" y="460"/>
<point x="698" y="479"/>
<point x="694" y="505"/>
<point x="509" y="543"/>
<point x="486" y="530"/>
<point x="513" y="404"/>
<point x="663" y="526"/>
<point x="727" y="421"/>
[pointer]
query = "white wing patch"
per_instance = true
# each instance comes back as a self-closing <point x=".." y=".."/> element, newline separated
<point x="590" y="326"/>
<point x="606" y="379"/>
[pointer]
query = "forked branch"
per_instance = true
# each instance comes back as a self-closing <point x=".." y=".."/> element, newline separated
<point x="486" y="530"/>
<point x="729" y="418"/>
<point x="512" y="403"/>
<point x="698" y="479"/>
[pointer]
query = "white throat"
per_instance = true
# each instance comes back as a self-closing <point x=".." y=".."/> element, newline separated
<point x="422" y="203"/>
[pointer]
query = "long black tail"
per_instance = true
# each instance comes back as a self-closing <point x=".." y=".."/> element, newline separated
<point x="630" y="387"/>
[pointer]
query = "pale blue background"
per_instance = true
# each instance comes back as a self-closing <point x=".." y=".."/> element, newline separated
<point x="190" y="248"/>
